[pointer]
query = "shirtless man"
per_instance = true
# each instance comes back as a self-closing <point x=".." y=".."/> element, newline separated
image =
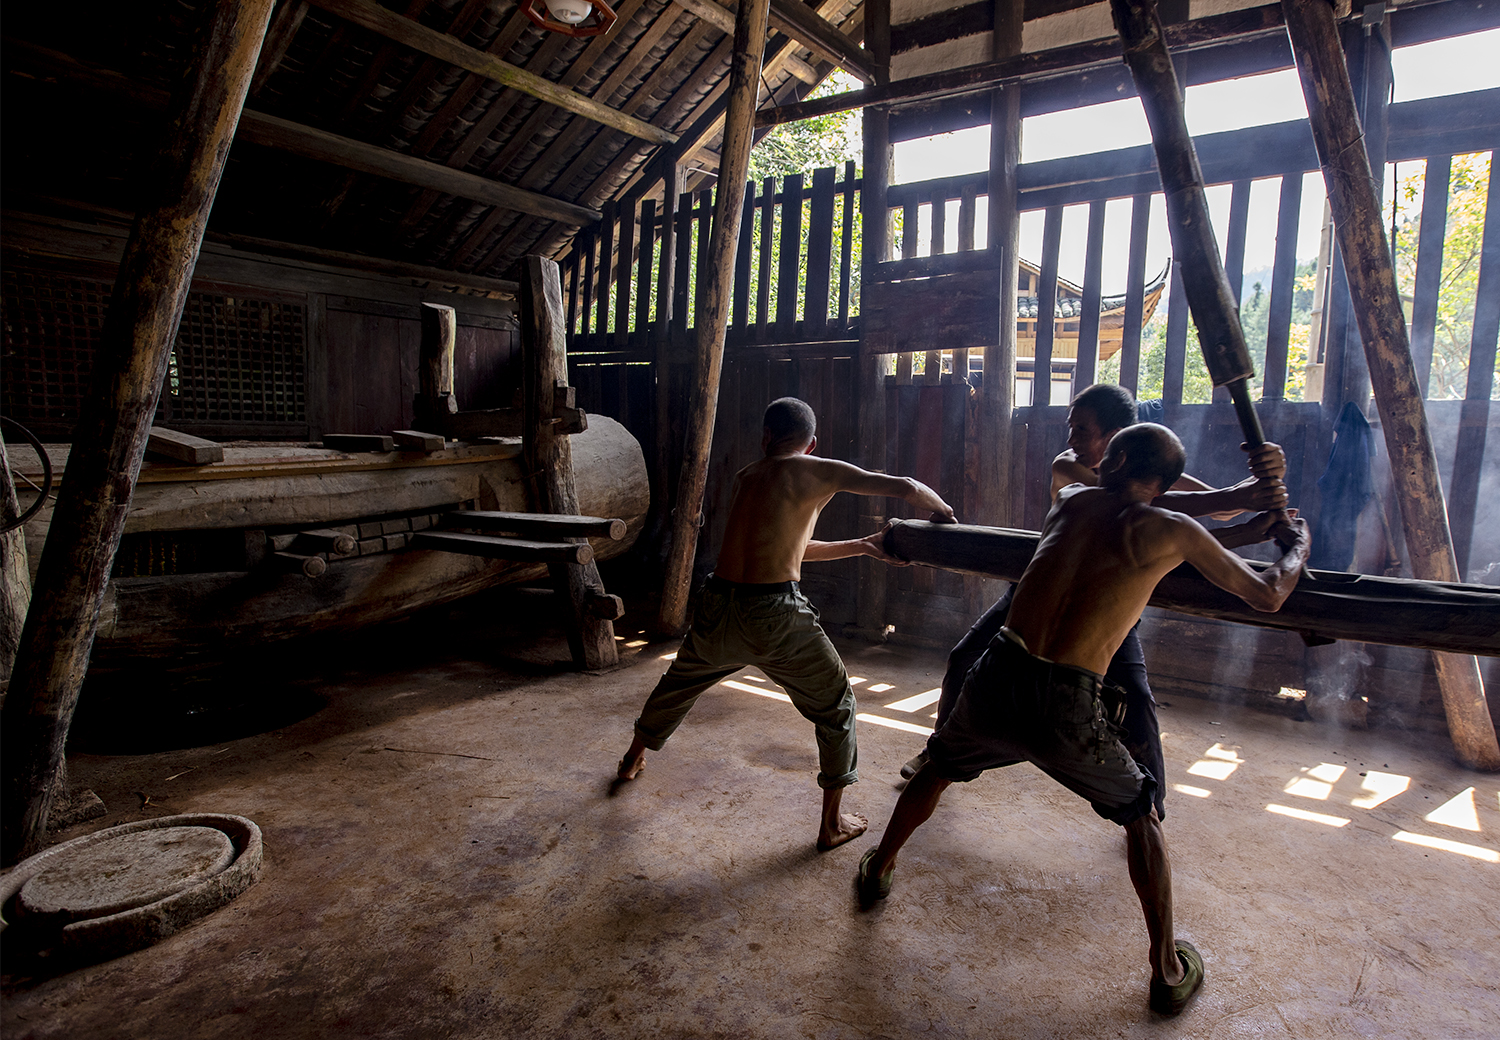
<point x="1034" y="694"/>
<point x="1096" y="415"/>
<point x="750" y="611"/>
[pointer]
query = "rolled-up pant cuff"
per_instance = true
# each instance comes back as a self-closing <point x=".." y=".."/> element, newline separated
<point x="652" y="743"/>
<point x="833" y="783"/>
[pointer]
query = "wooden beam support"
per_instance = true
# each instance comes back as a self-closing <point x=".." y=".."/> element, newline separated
<point x="547" y="458"/>
<point x="496" y="547"/>
<point x="744" y="84"/>
<point x="530" y="524"/>
<point x="110" y="439"/>
<point x="15" y="575"/>
<point x="1020" y="68"/>
<point x="361" y="262"/>
<point x="287" y="136"/>
<point x="1396" y="611"/>
<point x="387" y="23"/>
<point x="1354" y="199"/>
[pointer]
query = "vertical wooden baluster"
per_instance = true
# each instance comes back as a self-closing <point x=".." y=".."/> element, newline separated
<point x="1135" y="294"/>
<point x="1087" y="367"/>
<point x="1283" y="288"/>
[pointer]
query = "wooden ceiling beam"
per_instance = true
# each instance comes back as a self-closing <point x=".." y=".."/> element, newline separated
<point x="672" y="114"/>
<point x="284" y="25"/>
<point x="501" y="103"/>
<point x="362" y="262"/>
<point x="285" y="135"/>
<point x="820" y="36"/>
<point x="311" y="143"/>
<point x="1034" y="65"/>
<point x="372" y="16"/>
<point x="684" y="48"/>
<point x="722" y="18"/>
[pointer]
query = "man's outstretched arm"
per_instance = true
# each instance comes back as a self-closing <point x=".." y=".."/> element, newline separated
<point x="870" y="545"/>
<point x="1262" y="490"/>
<point x="845" y="476"/>
<point x="1264" y="590"/>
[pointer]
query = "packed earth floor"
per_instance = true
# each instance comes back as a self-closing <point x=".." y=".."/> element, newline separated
<point x="446" y="856"/>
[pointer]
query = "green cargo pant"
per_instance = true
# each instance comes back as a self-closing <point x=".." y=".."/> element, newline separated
<point x="775" y="628"/>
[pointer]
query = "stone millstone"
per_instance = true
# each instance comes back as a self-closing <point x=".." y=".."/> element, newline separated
<point x="126" y="872"/>
<point x="125" y="887"/>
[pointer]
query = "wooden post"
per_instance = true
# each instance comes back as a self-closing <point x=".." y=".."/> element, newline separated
<point x="869" y="404"/>
<point x="1382" y="325"/>
<point x="436" y="400"/>
<point x="997" y="390"/>
<point x="548" y="456"/>
<point x="734" y="165"/>
<point x="110" y="439"/>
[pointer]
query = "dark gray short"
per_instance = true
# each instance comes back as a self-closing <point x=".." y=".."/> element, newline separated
<point x="1018" y="708"/>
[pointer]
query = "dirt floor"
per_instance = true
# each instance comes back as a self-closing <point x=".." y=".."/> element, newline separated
<point x="445" y="858"/>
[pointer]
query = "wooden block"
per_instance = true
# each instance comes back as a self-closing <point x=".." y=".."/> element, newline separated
<point x="415" y="440"/>
<point x="606" y="606"/>
<point x="371" y="530"/>
<point x="421" y="523"/>
<point x="396" y="526"/>
<point x="183" y="447"/>
<point x="368" y="546"/>
<point x="395" y="542"/>
<point x="358" y="442"/>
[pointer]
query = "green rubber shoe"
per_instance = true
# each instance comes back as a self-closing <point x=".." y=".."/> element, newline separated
<point x="871" y="886"/>
<point x="1170" y="1000"/>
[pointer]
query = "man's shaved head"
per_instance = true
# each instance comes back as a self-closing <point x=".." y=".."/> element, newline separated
<point x="1145" y="451"/>
<point x="790" y="424"/>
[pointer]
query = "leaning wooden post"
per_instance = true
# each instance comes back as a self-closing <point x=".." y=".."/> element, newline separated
<point x="1353" y="197"/>
<point x="869" y="400"/>
<point x="734" y="167"/>
<point x="110" y="439"/>
<point x="1210" y="298"/>
<point x="436" y="400"/>
<point x="548" y="456"/>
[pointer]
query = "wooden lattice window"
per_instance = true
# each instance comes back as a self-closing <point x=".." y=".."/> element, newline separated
<point x="237" y="360"/>
<point x="51" y="328"/>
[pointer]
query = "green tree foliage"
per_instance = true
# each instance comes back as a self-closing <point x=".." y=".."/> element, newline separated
<point x="802" y="147"/>
<point x="1459" y="285"/>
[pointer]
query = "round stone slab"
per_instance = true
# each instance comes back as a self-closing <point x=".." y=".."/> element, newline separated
<point x="126" y="872"/>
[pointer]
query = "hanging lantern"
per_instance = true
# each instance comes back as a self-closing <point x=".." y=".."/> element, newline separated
<point x="572" y="17"/>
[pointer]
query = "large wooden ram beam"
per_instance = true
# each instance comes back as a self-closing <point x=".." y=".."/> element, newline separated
<point x="1429" y="615"/>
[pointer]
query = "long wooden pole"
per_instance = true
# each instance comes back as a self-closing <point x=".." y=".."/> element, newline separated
<point x="1354" y="200"/>
<point x="15" y="575"/>
<point x="734" y="167"/>
<point x="1210" y="297"/>
<point x="110" y="439"/>
<point x="1372" y="609"/>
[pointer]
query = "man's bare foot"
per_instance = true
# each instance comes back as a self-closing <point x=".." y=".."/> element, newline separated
<point x="850" y="826"/>
<point x="634" y="761"/>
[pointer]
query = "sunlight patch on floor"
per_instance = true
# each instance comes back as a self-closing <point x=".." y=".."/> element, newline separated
<point x="1310" y="817"/>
